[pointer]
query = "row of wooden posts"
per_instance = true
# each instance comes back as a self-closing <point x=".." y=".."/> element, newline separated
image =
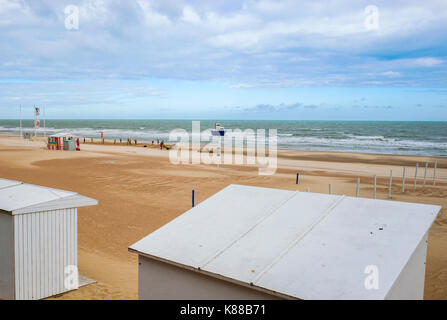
<point x="357" y="190"/>
<point x="128" y="141"/>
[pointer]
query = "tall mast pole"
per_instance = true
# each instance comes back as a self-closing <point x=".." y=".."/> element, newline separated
<point x="35" y="118"/>
<point x="44" y="126"/>
<point x="20" y="117"/>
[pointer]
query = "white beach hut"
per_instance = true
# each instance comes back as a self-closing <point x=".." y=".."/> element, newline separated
<point x="254" y="243"/>
<point x="38" y="240"/>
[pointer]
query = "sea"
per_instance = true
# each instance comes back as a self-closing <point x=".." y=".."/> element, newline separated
<point x="383" y="137"/>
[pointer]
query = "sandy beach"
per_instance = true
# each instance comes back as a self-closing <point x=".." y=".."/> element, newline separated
<point x="139" y="190"/>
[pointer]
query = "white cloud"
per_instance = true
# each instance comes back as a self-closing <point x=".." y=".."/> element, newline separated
<point x="237" y="40"/>
<point x="272" y="43"/>
<point x="153" y="17"/>
<point x="241" y="86"/>
<point x="391" y="74"/>
<point x="236" y="21"/>
<point x="426" y="62"/>
<point x="10" y="5"/>
<point x="94" y="10"/>
<point x="12" y="10"/>
<point x="191" y="16"/>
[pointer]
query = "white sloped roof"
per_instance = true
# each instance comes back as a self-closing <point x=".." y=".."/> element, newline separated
<point x="293" y="244"/>
<point x="62" y="134"/>
<point x="8" y="183"/>
<point x="18" y="198"/>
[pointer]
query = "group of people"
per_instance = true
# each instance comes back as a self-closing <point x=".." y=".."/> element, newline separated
<point x="129" y="141"/>
<point x="160" y="143"/>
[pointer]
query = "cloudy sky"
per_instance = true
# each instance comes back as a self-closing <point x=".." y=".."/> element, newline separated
<point x="267" y="59"/>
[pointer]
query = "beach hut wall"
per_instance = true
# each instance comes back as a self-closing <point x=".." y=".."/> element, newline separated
<point x="38" y="239"/>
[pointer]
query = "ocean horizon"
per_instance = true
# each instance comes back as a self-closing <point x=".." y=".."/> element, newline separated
<point x="424" y="138"/>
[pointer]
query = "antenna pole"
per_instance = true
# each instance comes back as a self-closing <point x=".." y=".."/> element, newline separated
<point x="44" y="126"/>
<point x="20" y="117"/>
<point x="35" y="119"/>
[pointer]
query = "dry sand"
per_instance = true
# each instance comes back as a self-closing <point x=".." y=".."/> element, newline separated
<point x="139" y="190"/>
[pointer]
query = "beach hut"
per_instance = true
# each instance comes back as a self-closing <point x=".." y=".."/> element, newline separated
<point x="38" y="240"/>
<point x="57" y="141"/>
<point x="260" y="243"/>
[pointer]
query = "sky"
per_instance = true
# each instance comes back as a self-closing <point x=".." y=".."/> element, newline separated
<point x="267" y="59"/>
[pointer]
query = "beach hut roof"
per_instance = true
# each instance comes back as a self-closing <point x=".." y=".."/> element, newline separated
<point x="62" y="134"/>
<point x="18" y="198"/>
<point x="293" y="244"/>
